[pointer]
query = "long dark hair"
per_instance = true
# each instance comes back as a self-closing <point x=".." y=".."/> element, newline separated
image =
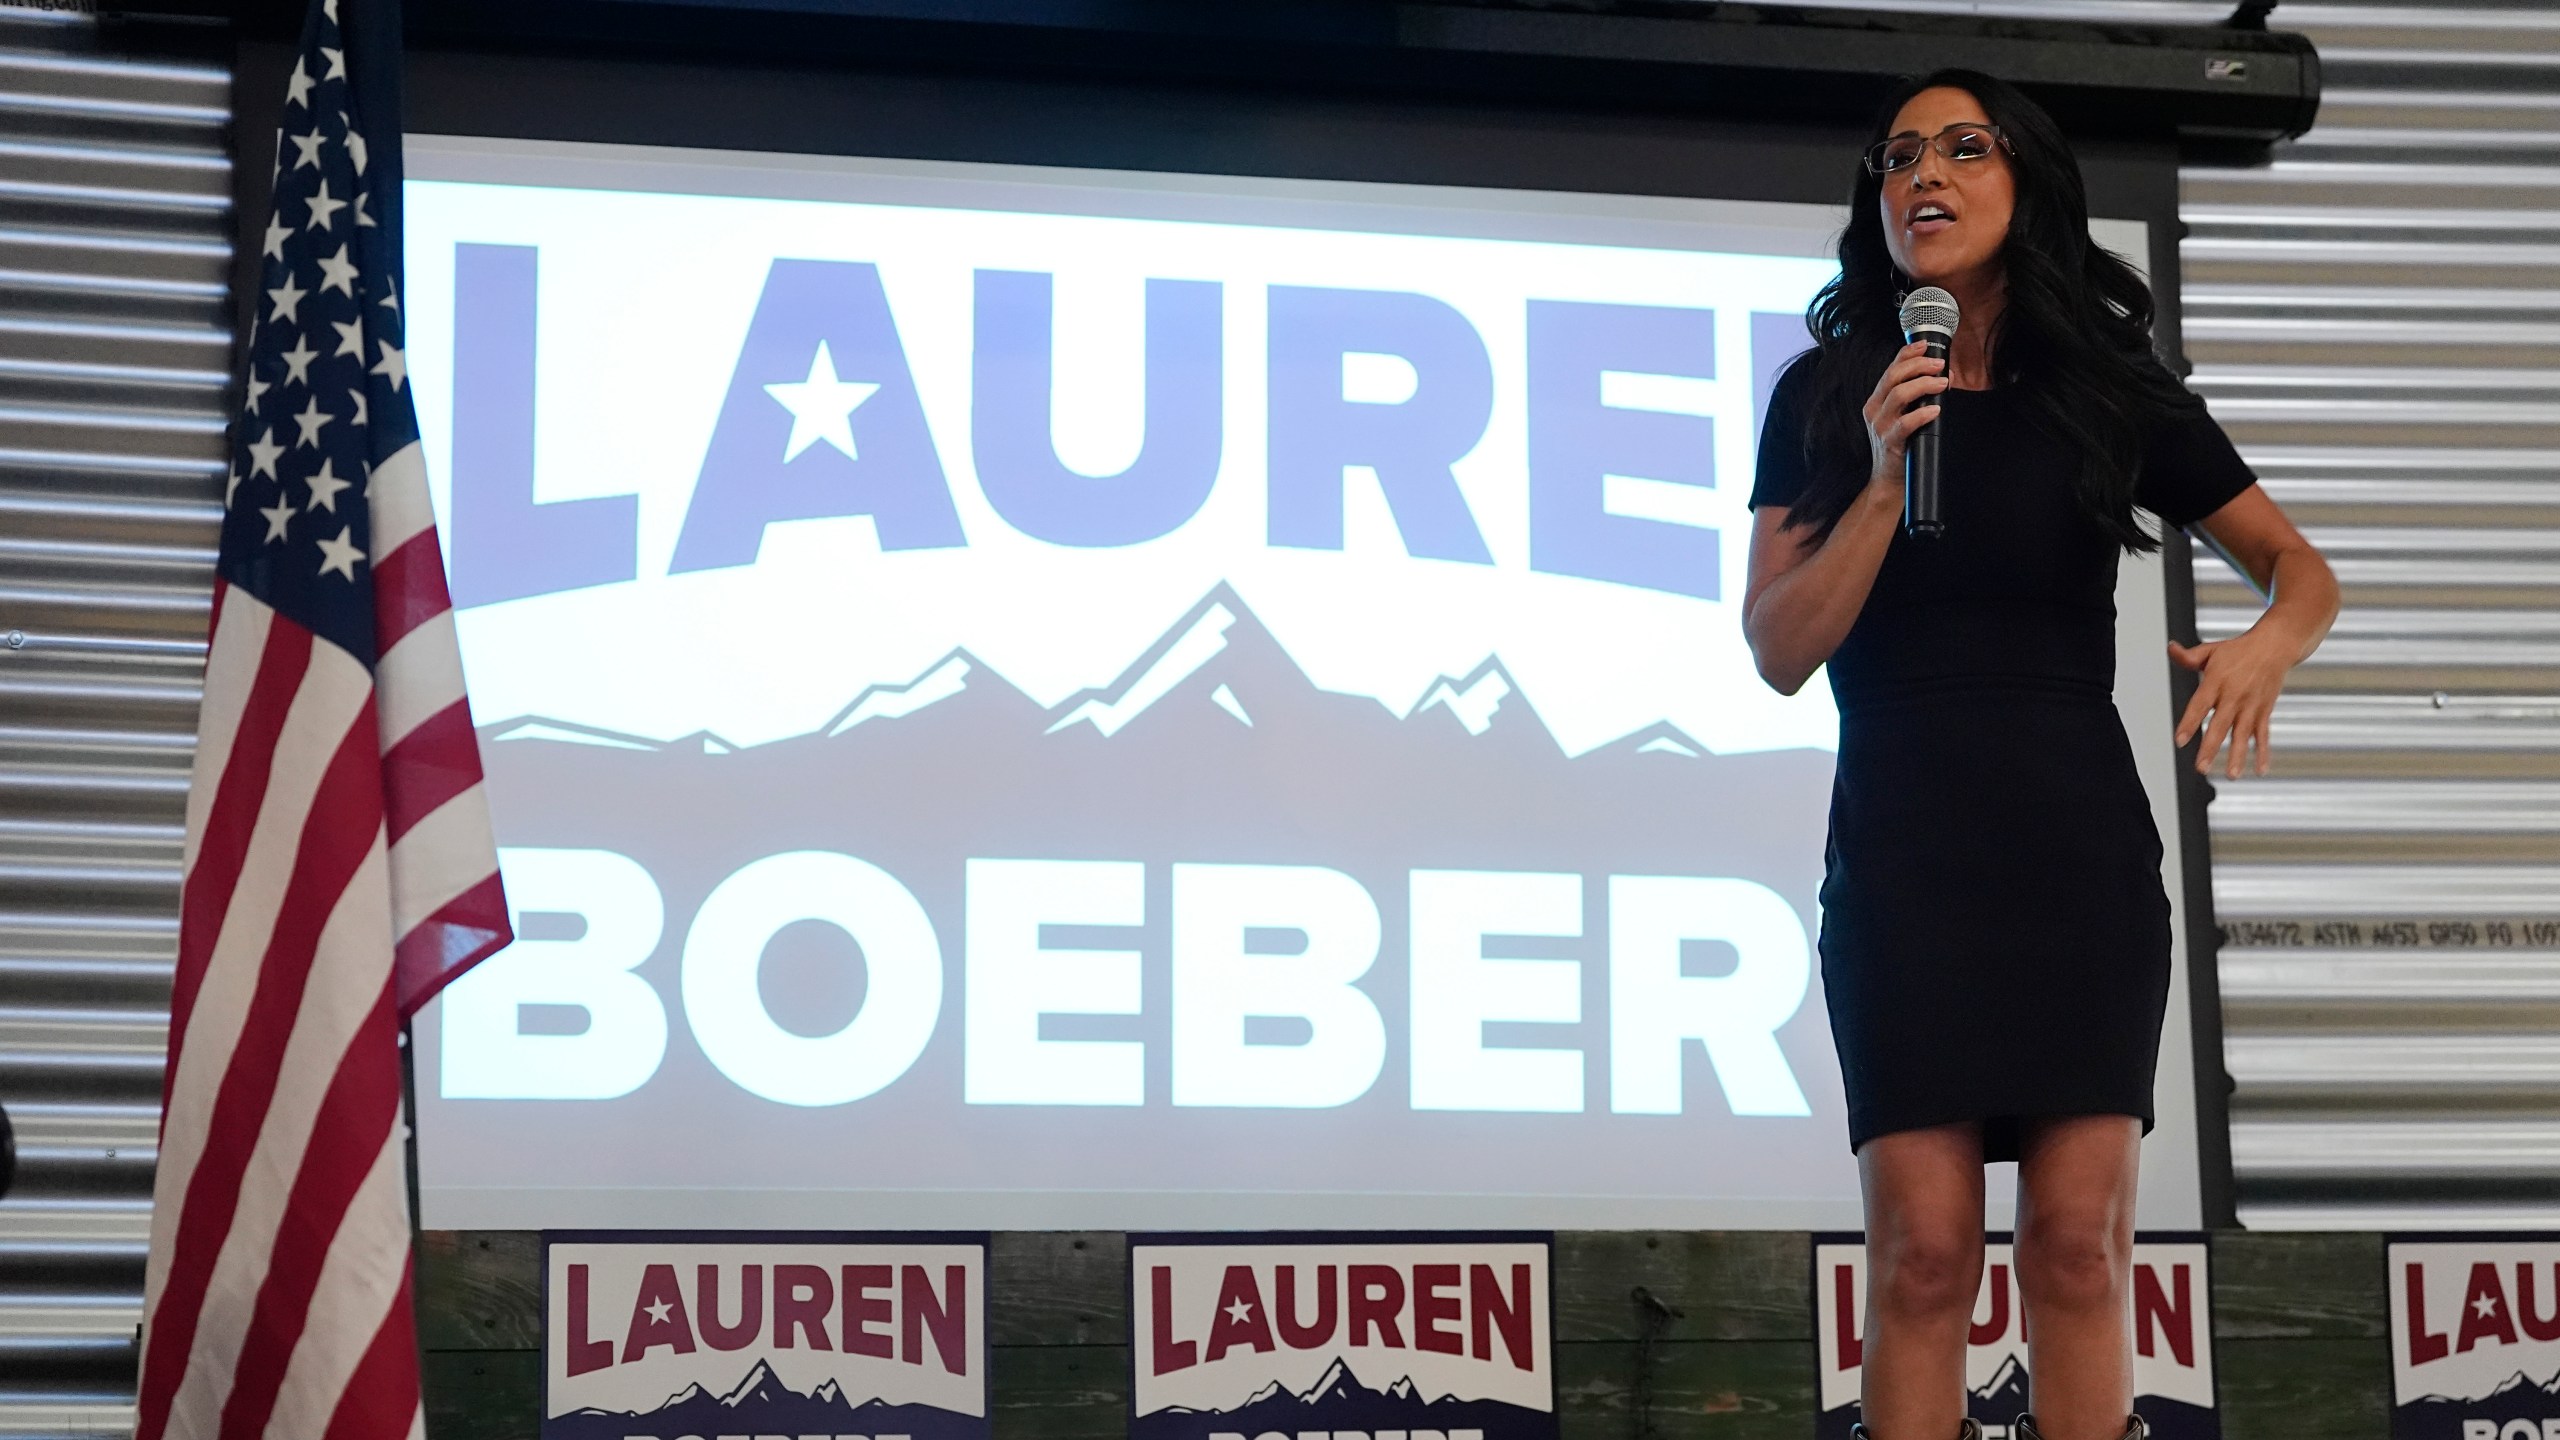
<point x="2073" y="339"/>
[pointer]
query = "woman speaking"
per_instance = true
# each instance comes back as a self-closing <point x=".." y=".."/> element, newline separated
<point x="1995" y="938"/>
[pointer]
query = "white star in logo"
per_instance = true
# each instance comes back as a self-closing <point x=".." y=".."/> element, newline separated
<point x="821" y="406"/>
<point x="325" y="487"/>
<point x="340" y="554"/>
<point x="297" y="88"/>
<point x="658" y="1312"/>
<point x="350" y="337"/>
<point x="396" y="365"/>
<point x="257" y="389"/>
<point x="298" y="360"/>
<point x="312" y="420"/>
<point x="337" y="272"/>
<point x="324" y="211"/>
<point x="2484" y="1307"/>
<point x="277" y="232"/>
<point x="287" y="298"/>
<point x="337" y="64"/>
<point x="263" y="454"/>
<point x="1240" y="1312"/>
<point x="277" y="515"/>
<point x="355" y="147"/>
<point x="309" y="145"/>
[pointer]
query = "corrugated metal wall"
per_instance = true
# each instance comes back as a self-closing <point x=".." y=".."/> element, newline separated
<point x="2376" y="319"/>
<point x="115" y="346"/>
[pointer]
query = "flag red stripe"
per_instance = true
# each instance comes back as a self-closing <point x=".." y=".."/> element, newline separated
<point x="408" y="590"/>
<point x="431" y="764"/>
<point x="381" y="1397"/>
<point x="345" y="816"/>
<point x="347" y="1136"/>
<point x="230" y="824"/>
<point x="469" y="928"/>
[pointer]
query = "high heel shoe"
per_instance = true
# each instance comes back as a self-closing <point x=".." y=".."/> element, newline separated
<point x="1971" y="1429"/>
<point x="2135" y="1428"/>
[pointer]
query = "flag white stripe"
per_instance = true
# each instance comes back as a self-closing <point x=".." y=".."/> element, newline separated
<point x="348" y="970"/>
<point x="442" y="855"/>
<point x="231" y="664"/>
<point x="359" y="1283"/>
<point x="398" y="493"/>
<point x="333" y="694"/>
<point x="420" y="677"/>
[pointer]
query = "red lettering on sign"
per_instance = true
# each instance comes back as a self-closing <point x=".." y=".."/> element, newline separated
<point x="657" y="1316"/>
<point x="1293" y="1334"/>
<point x="1495" y="1312"/>
<point x="1844" y="1317"/>
<point x="1435" y="1299"/>
<point x="802" y="1296"/>
<point x="2424" y="1345"/>
<point x="861" y="1312"/>
<point x="2484" y="1310"/>
<point x="1170" y="1354"/>
<point x="706" y="1281"/>
<point x="2173" y="1318"/>
<point x="2537" y="1326"/>
<point x="584" y="1354"/>
<point x="945" y="1317"/>
<point x="1377" y="1298"/>
<point x="1988" y="1331"/>
<point x="1239" y="1319"/>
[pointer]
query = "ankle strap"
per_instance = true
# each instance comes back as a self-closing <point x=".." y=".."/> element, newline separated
<point x="2135" y="1428"/>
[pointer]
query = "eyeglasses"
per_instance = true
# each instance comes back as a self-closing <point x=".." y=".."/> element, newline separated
<point x="1956" y="142"/>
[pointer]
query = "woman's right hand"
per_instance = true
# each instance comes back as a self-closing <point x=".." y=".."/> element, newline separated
<point x="1912" y="377"/>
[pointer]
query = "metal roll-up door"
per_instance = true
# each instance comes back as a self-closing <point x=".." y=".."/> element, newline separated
<point x="2375" y="318"/>
<point x="115" y="347"/>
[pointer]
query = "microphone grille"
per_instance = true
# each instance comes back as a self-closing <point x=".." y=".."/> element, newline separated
<point x="1929" y="309"/>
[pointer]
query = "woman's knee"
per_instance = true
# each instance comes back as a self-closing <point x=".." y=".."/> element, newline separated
<point x="2075" y="1258"/>
<point x="1926" y="1268"/>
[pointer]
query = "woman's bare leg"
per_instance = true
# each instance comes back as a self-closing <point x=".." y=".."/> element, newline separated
<point x="1924" y="1268"/>
<point x="2075" y="1260"/>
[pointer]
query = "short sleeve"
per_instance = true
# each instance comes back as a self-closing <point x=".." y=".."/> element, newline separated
<point x="1780" y="475"/>
<point x="2190" y="470"/>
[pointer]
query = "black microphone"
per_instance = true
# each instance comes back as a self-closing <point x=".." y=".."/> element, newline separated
<point x="1928" y="316"/>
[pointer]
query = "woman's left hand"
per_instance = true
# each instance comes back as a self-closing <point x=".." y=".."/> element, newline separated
<point x="2236" y="695"/>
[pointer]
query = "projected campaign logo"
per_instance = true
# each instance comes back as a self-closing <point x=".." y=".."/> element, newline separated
<point x="1437" y="1337"/>
<point x="2172" y="1339"/>
<point x="989" y="700"/>
<point x="656" y="1336"/>
<point x="2475" y="1337"/>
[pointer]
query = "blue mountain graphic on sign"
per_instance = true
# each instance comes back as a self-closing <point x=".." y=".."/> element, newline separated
<point x="2518" y="1397"/>
<point x="763" y="1404"/>
<point x="1339" y="1401"/>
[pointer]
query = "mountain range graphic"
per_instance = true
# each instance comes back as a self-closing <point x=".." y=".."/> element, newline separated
<point x="1217" y="659"/>
<point x="763" y="1403"/>
<point x="1999" y="1401"/>
<point x="1339" y="1401"/>
<point x="2518" y="1397"/>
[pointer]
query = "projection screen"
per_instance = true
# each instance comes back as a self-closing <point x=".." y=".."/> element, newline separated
<point x="1028" y="698"/>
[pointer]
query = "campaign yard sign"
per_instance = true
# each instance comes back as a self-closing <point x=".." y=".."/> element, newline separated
<point x="2475" y="1337"/>
<point x="2172" y="1338"/>
<point x="1342" y="1337"/>
<point x="716" y="1335"/>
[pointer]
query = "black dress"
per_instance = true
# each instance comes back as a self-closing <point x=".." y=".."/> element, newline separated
<point x="1995" y="939"/>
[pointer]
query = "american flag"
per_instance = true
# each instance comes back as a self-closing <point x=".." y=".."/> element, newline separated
<point x="339" y="867"/>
